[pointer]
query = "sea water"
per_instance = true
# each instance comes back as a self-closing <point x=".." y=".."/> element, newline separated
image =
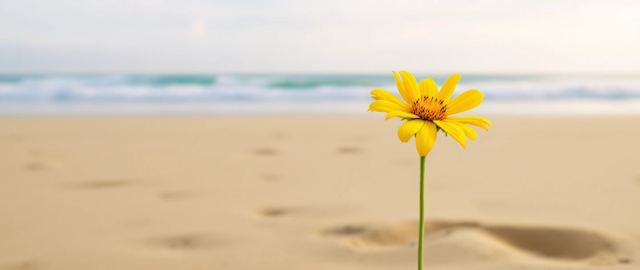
<point x="245" y="94"/>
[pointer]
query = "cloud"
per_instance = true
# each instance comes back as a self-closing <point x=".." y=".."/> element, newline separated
<point x="324" y="36"/>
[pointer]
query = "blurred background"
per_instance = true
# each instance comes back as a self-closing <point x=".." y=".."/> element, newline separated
<point x="196" y="134"/>
<point x="256" y="57"/>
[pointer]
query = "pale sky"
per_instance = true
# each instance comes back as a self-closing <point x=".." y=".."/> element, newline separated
<point x="329" y="36"/>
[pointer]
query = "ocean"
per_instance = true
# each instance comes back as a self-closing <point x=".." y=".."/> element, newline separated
<point x="230" y="94"/>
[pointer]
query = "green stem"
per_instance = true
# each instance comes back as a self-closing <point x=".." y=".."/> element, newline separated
<point x="421" y="236"/>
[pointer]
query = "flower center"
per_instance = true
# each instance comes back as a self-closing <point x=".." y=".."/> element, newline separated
<point x="430" y="108"/>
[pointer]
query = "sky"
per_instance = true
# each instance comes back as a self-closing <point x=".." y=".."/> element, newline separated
<point x="329" y="36"/>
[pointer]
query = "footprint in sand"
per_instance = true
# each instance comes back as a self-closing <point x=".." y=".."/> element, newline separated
<point x="299" y="212"/>
<point x="185" y="242"/>
<point x="102" y="184"/>
<point x="349" y="150"/>
<point x="555" y="242"/>
<point x="174" y="195"/>
<point x="624" y="261"/>
<point x="36" y="166"/>
<point x="25" y="265"/>
<point x="346" y="230"/>
<point x="271" y="212"/>
<point x="265" y="152"/>
<point x="270" y="177"/>
<point x="482" y="241"/>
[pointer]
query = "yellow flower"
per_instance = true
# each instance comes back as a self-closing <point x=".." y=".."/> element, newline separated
<point x="428" y="110"/>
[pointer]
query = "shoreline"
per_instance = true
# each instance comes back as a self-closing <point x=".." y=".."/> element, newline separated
<point x="530" y="108"/>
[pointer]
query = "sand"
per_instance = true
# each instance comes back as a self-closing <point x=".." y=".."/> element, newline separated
<point x="315" y="193"/>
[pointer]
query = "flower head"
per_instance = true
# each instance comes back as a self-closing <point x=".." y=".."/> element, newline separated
<point x="428" y="110"/>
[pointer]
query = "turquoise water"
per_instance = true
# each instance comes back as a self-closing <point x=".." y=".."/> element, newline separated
<point x="170" y="88"/>
<point x="32" y="93"/>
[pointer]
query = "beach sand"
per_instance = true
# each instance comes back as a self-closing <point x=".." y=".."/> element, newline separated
<point x="316" y="193"/>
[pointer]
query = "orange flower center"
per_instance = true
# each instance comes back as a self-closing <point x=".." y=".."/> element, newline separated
<point x="430" y="108"/>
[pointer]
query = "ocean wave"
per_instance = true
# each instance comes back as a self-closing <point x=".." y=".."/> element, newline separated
<point x="177" y="88"/>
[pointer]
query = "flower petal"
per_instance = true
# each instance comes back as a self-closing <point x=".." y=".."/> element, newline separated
<point x="472" y="120"/>
<point x="428" y="88"/>
<point x="406" y="131"/>
<point x="410" y="85"/>
<point x="401" y="114"/>
<point x="426" y="138"/>
<point x="385" y="106"/>
<point x="465" y="101"/>
<point x="468" y="131"/>
<point x="403" y="92"/>
<point x="379" y="94"/>
<point x="448" y="87"/>
<point x="453" y="130"/>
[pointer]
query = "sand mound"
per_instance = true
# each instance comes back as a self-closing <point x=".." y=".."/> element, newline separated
<point x="394" y="235"/>
<point x="479" y="241"/>
<point x="468" y="245"/>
